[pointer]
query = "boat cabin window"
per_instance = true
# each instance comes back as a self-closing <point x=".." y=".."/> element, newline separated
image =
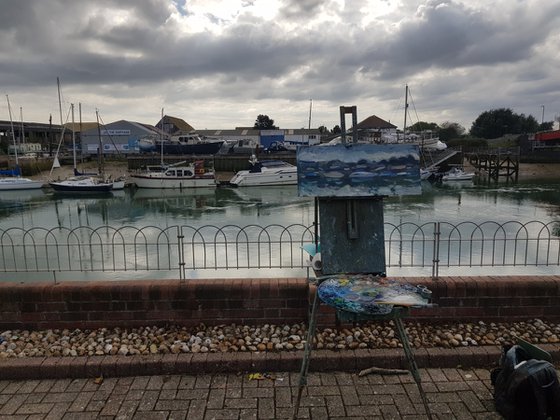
<point x="179" y="172"/>
<point x="170" y="172"/>
<point x="188" y="173"/>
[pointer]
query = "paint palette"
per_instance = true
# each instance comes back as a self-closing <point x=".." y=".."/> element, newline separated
<point x="369" y="294"/>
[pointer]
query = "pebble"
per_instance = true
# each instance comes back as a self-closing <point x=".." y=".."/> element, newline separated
<point x="264" y="338"/>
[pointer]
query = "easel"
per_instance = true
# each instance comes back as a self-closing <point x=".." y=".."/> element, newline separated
<point x="353" y="242"/>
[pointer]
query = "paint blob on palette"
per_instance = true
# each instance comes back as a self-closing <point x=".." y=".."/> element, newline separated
<point x="359" y="170"/>
<point x="369" y="294"/>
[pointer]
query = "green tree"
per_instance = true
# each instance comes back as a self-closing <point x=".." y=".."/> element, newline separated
<point x="263" y="122"/>
<point x="451" y="130"/>
<point x="546" y="126"/>
<point x="422" y="126"/>
<point x="498" y="122"/>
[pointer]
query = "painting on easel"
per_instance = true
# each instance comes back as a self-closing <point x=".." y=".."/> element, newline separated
<point x="358" y="170"/>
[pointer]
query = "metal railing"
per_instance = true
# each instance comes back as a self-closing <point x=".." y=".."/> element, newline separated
<point x="433" y="245"/>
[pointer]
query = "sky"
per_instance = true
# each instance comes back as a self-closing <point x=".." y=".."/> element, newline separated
<point x="219" y="64"/>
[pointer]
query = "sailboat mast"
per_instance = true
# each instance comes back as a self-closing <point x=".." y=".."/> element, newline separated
<point x="22" y="141"/>
<point x="59" y="101"/>
<point x="405" y="111"/>
<point x="161" y="138"/>
<point x="12" y="127"/>
<point x="73" y="139"/>
<point x="100" y="146"/>
<point x="310" y="107"/>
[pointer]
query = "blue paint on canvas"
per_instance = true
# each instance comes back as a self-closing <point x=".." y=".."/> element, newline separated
<point x="358" y="170"/>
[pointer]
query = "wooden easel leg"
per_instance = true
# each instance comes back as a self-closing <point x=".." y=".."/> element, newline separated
<point x="307" y="353"/>
<point x="412" y="363"/>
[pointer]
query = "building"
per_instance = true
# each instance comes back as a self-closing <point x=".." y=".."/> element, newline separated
<point x="373" y="129"/>
<point x="116" y="137"/>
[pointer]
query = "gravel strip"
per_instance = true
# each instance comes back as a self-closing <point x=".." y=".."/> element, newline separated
<point x="273" y="338"/>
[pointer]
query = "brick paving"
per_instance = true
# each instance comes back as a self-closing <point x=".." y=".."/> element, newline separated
<point x="451" y="393"/>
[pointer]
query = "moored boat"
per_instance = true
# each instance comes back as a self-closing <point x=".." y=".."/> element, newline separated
<point x="82" y="184"/>
<point x="266" y="172"/>
<point x="179" y="175"/>
<point x="457" y="174"/>
<point x="186" y="144"/>
<point x="13" y="179"/>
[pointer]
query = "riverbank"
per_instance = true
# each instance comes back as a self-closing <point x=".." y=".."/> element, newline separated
<point x="549" y="171"/>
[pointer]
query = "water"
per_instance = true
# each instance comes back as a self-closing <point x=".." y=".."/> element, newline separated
<point x="452" y="202"/>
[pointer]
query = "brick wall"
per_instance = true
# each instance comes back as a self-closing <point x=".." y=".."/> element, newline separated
<point x="255" y="301"/>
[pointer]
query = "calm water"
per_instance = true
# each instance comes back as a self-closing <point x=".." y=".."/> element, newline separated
<point x="453" y="202"/>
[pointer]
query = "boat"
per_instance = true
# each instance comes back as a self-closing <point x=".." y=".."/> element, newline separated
<point x="265" y="173"/>
<point x="425" y="174"/>
<point x="84" y="183"/>
<point x="240" y="147"/>
<point x="457" y="174"/>
<point x="184" y="144"/>
<point x="12" y="179"/>
<point x="179" y="175"/>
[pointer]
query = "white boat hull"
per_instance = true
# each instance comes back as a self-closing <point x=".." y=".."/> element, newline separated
<point x="12" y="184"/>
<point x="266" y="173"/>
<point x="263" y="179"/>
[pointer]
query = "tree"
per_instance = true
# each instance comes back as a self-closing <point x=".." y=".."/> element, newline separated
<point x="422" y="126"/>
<point x="450" y="130"/>
<point x="336" y="130"/>
<point x="263" y="122"/>
<point x="546" y="126"/>
<point x="323" y="129"/>
<point x="498" y="122"/>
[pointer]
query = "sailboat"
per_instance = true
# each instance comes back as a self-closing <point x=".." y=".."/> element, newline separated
<point x="12" y="179"/>
<point x="83" y="183"/>
<point x="179" y="175"/>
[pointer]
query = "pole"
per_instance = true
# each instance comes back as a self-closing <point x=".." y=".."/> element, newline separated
<point x="542" y="118"/>
<point x="73" y="140"/>
<point x="405" y="111"/>
<point x="12" y="127"/>
<point x="161" y="139"/>
<point x="22" y="129"/>
<point x="310" y="107"/>
<point x="100" y="146"/>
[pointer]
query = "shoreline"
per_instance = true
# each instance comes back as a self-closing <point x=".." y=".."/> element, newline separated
<point x="527" y="171"/>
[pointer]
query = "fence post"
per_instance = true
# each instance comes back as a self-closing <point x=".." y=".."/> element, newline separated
<point x="180" y="247"/>
<point x="435" y="259"/>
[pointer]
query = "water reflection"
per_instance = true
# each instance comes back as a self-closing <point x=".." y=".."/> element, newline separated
<point x="454" y="202"/>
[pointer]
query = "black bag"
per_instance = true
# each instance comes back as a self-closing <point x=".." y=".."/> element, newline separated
<point x="525" y="388"/>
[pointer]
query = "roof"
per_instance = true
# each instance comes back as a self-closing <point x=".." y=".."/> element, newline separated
<point x="179" y="123"/>
<point x="85" y="126"/>
<point x="373" y="122"/>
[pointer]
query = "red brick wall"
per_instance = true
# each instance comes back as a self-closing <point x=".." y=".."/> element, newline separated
<point x="254" y="301"/>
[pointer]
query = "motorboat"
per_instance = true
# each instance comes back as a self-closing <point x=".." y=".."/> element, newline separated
<point x="425" y="174"/>
<point x="239" y="147"/>
<point x="457" y="174"/>
<point x="19" y="183"/>
<point x="266" y="172"/>
<point x="185" y="144"/>
<point x="179" y="175"/>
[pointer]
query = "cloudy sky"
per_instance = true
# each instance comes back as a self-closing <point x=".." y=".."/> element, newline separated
<point x="219" y="64"/>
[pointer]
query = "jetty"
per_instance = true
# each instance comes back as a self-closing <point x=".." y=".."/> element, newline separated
<point x="496" y="162"/>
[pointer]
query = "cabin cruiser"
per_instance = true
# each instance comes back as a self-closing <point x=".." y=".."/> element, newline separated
<point x="179" y="175"/>
<point x="457" y="174"/>
<point x="266" y="172"/>
<point x="184" y="144"/>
